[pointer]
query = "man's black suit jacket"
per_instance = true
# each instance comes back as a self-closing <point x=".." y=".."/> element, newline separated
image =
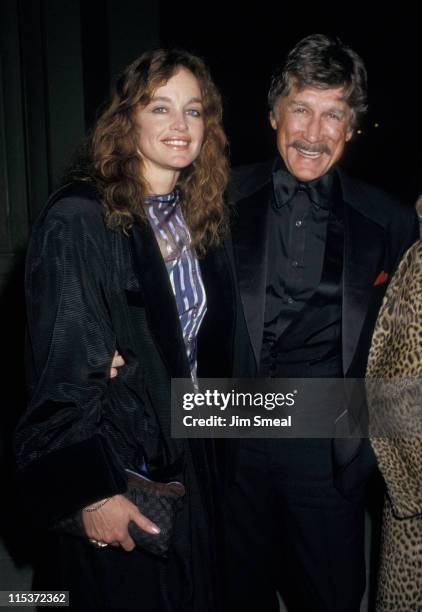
<point x="378" y="230"/>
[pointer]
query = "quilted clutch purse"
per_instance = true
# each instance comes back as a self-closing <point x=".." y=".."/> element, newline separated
<point x="158" y="501"/>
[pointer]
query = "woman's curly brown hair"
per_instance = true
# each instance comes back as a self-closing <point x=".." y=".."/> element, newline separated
<point x="111" y="158"/>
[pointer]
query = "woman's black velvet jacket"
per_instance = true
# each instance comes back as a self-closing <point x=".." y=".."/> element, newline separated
<point x="91" y="291"/>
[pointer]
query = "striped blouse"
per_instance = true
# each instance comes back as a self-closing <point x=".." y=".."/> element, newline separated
<point x="173" y="237"/>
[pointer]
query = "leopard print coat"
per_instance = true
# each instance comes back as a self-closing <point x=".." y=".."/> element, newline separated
<point x="394" y="389"/>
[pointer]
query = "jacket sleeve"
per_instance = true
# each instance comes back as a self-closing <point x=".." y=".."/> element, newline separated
<point x="65" y="460"/>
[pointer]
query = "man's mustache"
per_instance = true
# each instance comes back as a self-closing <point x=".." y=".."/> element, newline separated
<point x="311" y="148"/>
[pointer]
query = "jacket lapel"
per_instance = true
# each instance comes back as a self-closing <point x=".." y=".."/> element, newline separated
<point x="158" y="297"/>
<point x="364" y="253"/>
<point x="250" y="244"/>
<point x="216" y="334"/>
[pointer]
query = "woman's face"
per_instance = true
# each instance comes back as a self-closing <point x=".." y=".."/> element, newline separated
<point x="171" y="130"/>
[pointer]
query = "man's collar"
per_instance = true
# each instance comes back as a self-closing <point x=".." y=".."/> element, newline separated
<point x="286" y="186"/>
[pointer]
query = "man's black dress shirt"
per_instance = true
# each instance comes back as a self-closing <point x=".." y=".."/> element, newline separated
<point x="302" y="324"/>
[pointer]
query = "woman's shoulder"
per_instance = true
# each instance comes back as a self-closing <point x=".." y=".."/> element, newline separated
<point x="73" y="205"/>
<point x="72" y="220"/>
<point x="73" y="199"/>
<point x="415" y="252"/>
<point x="411" y="263"/>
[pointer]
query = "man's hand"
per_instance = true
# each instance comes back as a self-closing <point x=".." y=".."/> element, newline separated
<point x="110" y="522"/>
<point x="117" y="362"/>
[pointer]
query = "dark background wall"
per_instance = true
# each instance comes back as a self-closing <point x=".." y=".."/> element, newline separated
<point x="243" y="46"/>
<point x="57" y="59"/>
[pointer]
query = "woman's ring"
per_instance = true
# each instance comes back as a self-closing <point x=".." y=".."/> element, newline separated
<point x="97" y="543"/>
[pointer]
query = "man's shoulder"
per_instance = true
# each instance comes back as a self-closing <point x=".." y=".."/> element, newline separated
<point x="372" y="201"/>
<point x="247" y="180"/>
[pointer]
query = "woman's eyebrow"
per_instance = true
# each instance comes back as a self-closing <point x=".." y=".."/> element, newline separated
<point x="166" y="99"/>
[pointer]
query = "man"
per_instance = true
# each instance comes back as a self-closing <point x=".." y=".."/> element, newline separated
<point x="313" y="251"/>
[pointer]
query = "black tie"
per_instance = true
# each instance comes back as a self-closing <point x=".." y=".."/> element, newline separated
<point x="286" y="186"/>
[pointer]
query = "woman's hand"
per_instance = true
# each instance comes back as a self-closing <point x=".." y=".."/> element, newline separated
<point x="110" y="522"/>
<point x="117" y="362"/>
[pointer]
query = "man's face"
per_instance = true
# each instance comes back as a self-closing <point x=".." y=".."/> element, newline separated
<point x="312" y="125"/>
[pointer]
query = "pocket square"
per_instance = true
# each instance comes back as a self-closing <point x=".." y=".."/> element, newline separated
<point x="381" y="278"/>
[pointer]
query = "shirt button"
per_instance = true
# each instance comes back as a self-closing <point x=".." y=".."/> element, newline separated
<point x="295" y="263"/>
<point x="290" y="300"/>
<point x="299" y="223"/>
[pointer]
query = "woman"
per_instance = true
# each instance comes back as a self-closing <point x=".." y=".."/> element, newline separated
<point x="395" y="401"/>
<point x="113" y="267"/>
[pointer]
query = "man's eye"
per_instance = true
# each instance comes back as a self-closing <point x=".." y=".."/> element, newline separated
<point x="334" y="116"/>
<point x="194" y="112"/>
<point x="159" y="109"/>
<point x="299" y="110"/>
